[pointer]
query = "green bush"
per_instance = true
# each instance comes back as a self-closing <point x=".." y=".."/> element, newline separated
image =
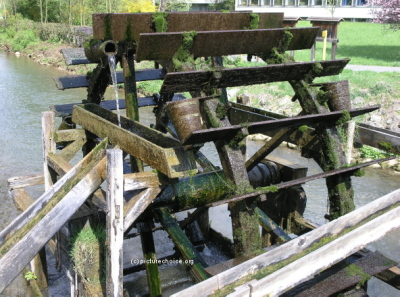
<point x="22" y="39"/>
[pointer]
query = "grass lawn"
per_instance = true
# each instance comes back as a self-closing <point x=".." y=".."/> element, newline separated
<point x="363" y="43"/>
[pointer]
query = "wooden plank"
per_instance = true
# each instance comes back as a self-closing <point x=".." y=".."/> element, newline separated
<point x="212" y="134"/>
<point x="268" y="224"/>
<point x="69" y="134"/>
<point x="379" y="138"/>
<point x="296" y="246"/>
<point x="333" y="282"/>
<point x="39" y="203"/>
<point x="81" y="81"/>
<point x="71" y="149"/>
<point x="49" y="145"/>
<point x="142" y="180"/>
<point x="331" y="253"/>
<point x="25" y="181"/>
<point x="152" y="147"/>
<point x="159" y="46"/>
<point x="18" y="254"/>
<point x="176" y="82"/>
<point x="115" y="233"/>
<point x="58" y="164"/>
<point x="299" y="181"/>
<point x="115" y="26"/>
<point x="134" y="207"/>
<point x="74" y="56"/>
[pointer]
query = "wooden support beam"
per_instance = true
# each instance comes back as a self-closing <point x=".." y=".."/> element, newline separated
<point x="25" y="181"/>
<point x="49" y="146"/>
<point x="331" y="253"/>
<point x="271" y="226"/>
<point x="58" y="164"/>
<point x="304" y="242"/>
<point x="143" y="180"/>
<point x="20" y="248"/>
<point x="69" y="134"/>
<point x="245" y="227"/>
<point x="71" y="149"/>
<point x="41" y="202"/>
<point x="152" y="147"/>
<point x="267" y="148"/>
<point x="176" y="82"/>
<point x="380" y="138"/>
<point x="161" y="46"/>
<point x="193" y="259"/>
<point x="137" y="204"/>
<point x="116" y="26"/>
<point x="334" y="280"/>
<point x="150" y="256"/>
<point x="115" y="233"/>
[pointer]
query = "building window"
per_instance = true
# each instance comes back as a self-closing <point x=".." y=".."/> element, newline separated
<point x="243" y="2"/>
<point x="278" y="2"/>
<point x="346" y="2"/>
<point x="318" y="2"/>
<point x="303" y="2"/>
<point x="254" y="2"/>
<point x="266" y="2"/>
<point x="290" y="2"/>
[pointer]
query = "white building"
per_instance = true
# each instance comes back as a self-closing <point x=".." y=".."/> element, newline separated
<point x="348" y="9"/>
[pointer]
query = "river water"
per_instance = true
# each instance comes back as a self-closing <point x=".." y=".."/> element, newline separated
<point x="27" y="89"/>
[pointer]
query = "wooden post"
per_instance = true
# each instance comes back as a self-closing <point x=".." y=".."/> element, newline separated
<point x="132" y="106"/>
<point x="115" y="233"/>
<point x="246" y="234"/>
<point x="150" y="256"/>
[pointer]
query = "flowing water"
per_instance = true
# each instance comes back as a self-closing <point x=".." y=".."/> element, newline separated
<point x="113" y="70"/>
<point x="27" y="89"/>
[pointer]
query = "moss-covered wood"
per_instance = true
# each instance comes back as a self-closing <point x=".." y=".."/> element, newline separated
<point x="194" y="260"/>
<point x="246" y="235"/>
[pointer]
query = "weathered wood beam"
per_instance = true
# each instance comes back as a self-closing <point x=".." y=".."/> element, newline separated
<point x="267" y="148"/>
<point x="184" y="245"/>
<point x="176" y="82"/>
<point x="331" y="253"/>
<point x="71" y="149"/>
<point x="201" y="136"/>
<point x="39" y="203"/>
<point x="138" y="204"/>
<point x="116" y="26"/>
<point x="380" y="138"/>
<point x="152" y="147"/>
<point x="304" y="242"/>
<point x="245" y="227"/>
<point x="75" y="56"/>
<point x="25" y="181"/>
<point x="270" y="225"/>
<point x="115" y="232"/>
<point x="131" y="98"/>
<point x="346" y="170"/>
<point x="143" y="180"/>
<point x="332" y="282"/>
<point x="19" y="249"/>
<point x="160" y="46"/>
<point x="81" y="81"/>
<point x="69" y="134"/>
<point x="58" y="164"/>
<point x="150" y="257"/>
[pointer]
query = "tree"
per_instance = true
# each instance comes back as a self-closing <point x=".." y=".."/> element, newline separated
<point x="138" y="6"/>
<point x="387" y="12"/>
